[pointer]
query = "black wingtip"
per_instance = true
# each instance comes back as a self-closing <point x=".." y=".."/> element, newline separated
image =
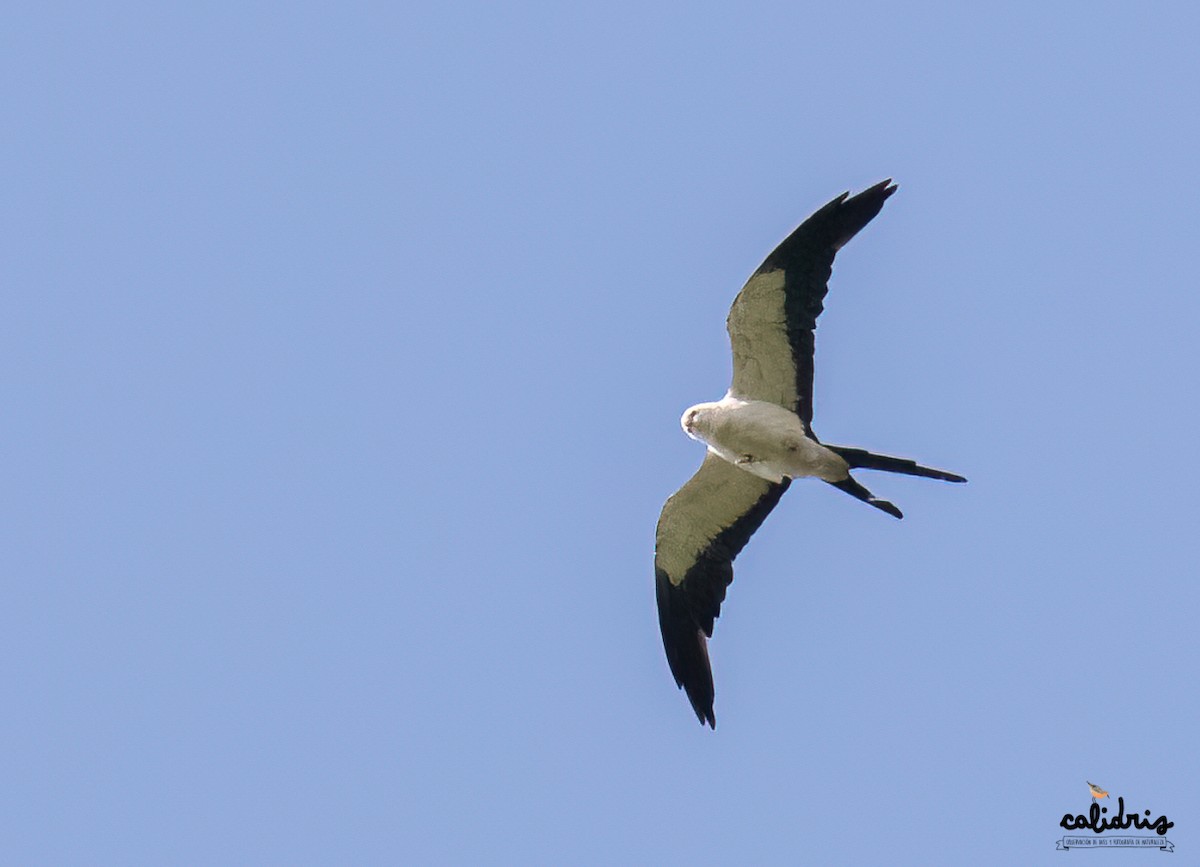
<point x="829" y="228"/>
<point x="880" y="191"/>
<point x="686" y="647"/>
<point x="855" y="212"/>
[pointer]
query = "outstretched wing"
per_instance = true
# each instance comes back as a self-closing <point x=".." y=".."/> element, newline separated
<point x="772" y="319"/>
<point x="703" y="527"/>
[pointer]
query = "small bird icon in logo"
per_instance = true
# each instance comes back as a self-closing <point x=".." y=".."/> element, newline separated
<point x="1097" y="792"/>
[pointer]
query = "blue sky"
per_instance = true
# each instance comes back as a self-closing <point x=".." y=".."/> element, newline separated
<point x="344" y="351"/>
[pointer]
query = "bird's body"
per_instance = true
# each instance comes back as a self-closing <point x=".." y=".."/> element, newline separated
<point x="1096" y="791"/>
<point x="762" y="438"/>
<point x="759" y="438"/>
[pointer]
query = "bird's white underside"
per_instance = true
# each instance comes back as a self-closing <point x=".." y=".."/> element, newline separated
<point x="763" y="439"/>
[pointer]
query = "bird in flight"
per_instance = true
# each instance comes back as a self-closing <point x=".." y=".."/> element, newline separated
<point x="759" y="438"/>
<point x="1096" y="791"/>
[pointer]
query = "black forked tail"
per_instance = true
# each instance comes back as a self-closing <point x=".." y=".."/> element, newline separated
<point x="856" y="490"/>
<point x="863" y="459"/>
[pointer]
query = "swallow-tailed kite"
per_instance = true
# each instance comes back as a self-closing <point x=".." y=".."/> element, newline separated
<point x="759" y="438"/>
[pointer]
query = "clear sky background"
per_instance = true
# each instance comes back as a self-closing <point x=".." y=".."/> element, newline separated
<point x="343" y="352"/>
